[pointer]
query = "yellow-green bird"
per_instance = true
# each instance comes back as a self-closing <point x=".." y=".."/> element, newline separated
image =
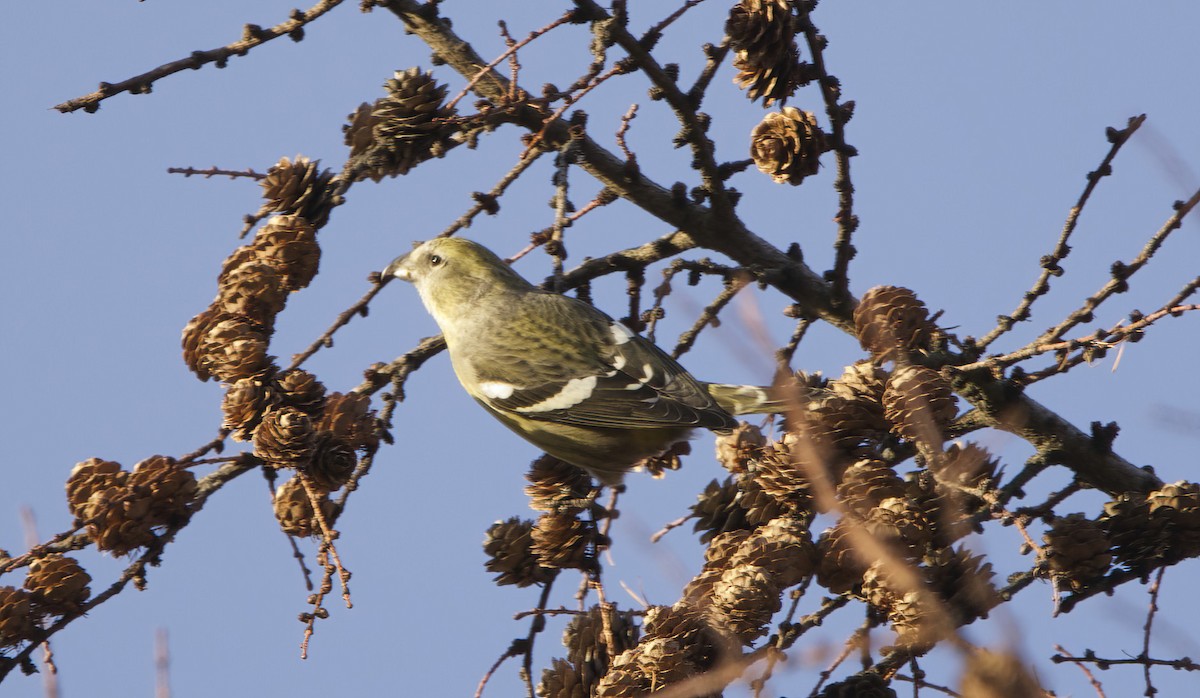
<point x="568" y="378"/>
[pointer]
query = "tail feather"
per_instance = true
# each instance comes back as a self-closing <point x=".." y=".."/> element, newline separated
<point x="750" y="399"/>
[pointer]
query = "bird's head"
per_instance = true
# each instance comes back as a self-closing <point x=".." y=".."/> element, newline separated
<point x="452" y="273"/>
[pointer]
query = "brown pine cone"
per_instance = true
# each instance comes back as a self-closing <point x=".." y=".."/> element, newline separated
<point x="554" y="484"/>
<point x="892" y="323"/>
<point x="57" y="585"/>
<point x="89" y="478"/>
<point x="350" y="417"/>
<point x="407" y="127"/>
<point x="787" y="145"/>
<point x="705" y="644"/>
<point x="332" y="463"/>
<point x="863" y="380"/>
<point x="232" y="347"/>
<point x="745" y="599"/>
<point x="777" y="472"/>
<point x="1077" y="550"/>
<point x="289" y="243"/>
<point x="169" y="488"/>
<point x="562" y="680"/>
<point x="783" y="547"/>
<point x="300" y="389"/>
<point x="762" y="36"/>
<point x="285" y="438"/>
<point x="508" y="548"/>
<point x="1176" y="506"/>
<point x="300" y="188"/>
<point x="919" y="403"/>
<point x="840" y="566"/>
<point x="587" y="642"/>
<point x="718" y="510"/>
<point x="564" y="541"/>
<point x="295" y="513"/>
<point x="736" y="448"/>
<point x="254" y="290"/>
<point x="243" y="406"/>
<point x="16" y="616"/>
<point x="867" y="483"/>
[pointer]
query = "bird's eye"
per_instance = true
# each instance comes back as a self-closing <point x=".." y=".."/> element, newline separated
<point x="435" y="260"/>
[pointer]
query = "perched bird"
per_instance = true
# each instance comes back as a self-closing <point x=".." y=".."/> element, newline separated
<point x="568" y="378"/>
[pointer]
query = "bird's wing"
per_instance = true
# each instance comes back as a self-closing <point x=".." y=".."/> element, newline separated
<point x="591" y="372"/>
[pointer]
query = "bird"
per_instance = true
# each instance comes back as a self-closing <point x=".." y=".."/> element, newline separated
<point x="560" y="373"/>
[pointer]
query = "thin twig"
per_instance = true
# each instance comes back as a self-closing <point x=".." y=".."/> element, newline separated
<point x="1121" y="273"/>
<point x="252" y="37"/>
<point x="215" y="171"/>
<point x="1086" y="671"/>
<point x="1051" y="263"/>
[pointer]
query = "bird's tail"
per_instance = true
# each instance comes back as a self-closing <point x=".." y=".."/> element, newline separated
<point x="752" y="399"/>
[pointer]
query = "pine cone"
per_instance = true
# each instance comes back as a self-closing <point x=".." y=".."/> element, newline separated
<point x="563" y="541"/>
<point x="508" y="548"/>
<point x="295" y="513"/>
<point x="232" y="347"/>
<point x="783" y="547"/>
<point x="736" y="448"/>
<point x="840" y="566"/>
<point x="718" y="510"/>
<point x="1177" y="507"/>
<point x="193" y="336"/>
<point x="332" y="464"/>
<point x="300" y="389"/>
<point x="863" y="380"/>
<point x="664" y="661"/>
<point x="964" y="467"/>
<point x="285" y="438"/>
<point x="787" y="145"/>
<point x="554" y="484"/>
<point x="253" y="290"/>
<point x="243" y="406"/>
<point x="915" y="618"/>
<point x="350" y="417"/>
<point x="868" y="684"/>
<point x="1077" y="550"/>
<point x="901" y="524"/>
<point x="849" y="428"/>
<point x="300" y="188"/>
<point x="169" y="488"/>
<point x="867" y="483"/>
<point x="760" y="507"/>
<point x="964" y="581"/>
<point x="1138" y="542"/>
<point x="57" y="585"/>
<point x="762" y="36"/>
<point x="118" y="520"/>
<point x="562" y="680"/>
<point x="90" y="477"/>
<point x="745" y="599"/>
<point x="588" y="647"/>
<point x="778" y="474"/>
<point x="625" y="679"/>
<point x="891" y="323"/>
<point x="407" y="127"/>
<point x="289" y="243"/>
<point x="16" y="616"/>
<point x="704" y="643"/>
<point x="920" y="404"/>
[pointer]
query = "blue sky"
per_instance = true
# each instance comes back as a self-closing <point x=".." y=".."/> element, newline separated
<point x="976" y="124"/>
